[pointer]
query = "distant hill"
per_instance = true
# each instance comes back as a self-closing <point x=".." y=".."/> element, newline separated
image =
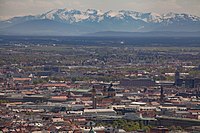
<point x="76" y="22"/>
<point x="145" y="34"/>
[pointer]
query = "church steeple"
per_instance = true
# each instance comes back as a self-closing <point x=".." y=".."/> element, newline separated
<point x="94" y="98"/>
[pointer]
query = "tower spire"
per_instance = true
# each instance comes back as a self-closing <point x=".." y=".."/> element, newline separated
<point x="94" y="98"/>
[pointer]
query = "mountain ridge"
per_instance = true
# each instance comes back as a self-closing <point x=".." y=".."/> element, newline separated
<point x="76" y="22"/>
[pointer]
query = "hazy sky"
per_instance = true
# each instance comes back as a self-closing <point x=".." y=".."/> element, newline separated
<point x="10" y="8"/>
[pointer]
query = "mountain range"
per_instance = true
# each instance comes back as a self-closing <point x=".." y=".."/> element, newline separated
<point x="76" y="22"/>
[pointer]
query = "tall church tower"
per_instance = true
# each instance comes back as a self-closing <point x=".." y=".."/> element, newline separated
<point x="161" y="94"/>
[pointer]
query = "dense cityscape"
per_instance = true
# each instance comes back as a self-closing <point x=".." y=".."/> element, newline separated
<point x="95" y="88"/>
<point x="99" y="66"/>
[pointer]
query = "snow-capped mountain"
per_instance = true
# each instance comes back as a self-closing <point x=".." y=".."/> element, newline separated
<point x="71" y="16"/>
<point x="72" y="21"/>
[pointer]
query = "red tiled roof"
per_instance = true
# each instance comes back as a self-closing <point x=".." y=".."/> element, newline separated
<point x="28" y="92"/>
<point x="59" y="97"/>
<point x="85" y="98"/>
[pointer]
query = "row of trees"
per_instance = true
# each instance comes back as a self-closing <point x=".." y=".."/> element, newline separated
<point x="129" y="126"/>
<point x="126" y="125"/>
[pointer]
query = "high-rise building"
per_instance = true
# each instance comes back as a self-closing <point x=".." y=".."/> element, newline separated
<point x="177" y="77"/>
